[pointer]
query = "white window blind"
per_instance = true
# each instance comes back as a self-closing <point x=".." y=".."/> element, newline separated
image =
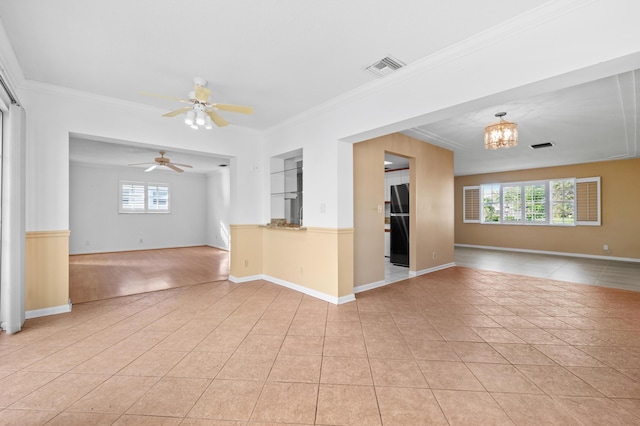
<point x="471" y="204"/>
<point x="588" y="201"/>
<point x="132" y="197"/>
<point x="142" y="197"/>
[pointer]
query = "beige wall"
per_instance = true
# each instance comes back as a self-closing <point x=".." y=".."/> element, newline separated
<point x="318" y="259"/>
<point x="620" y="189"/>
<point x="431" y="205"/>
<point x="47" y="269"/>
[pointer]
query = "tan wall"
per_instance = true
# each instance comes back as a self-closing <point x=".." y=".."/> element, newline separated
<point x="431" y="205"/>
<point x="47" y="269"/>
<point x="246" y="250"/>
<point x="620" y="186"/>
<point x="319" y="259"/>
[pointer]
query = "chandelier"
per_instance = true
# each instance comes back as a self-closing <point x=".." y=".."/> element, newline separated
<point x="502" y="134"/>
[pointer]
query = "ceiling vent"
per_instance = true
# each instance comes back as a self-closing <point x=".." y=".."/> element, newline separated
<point x="542" y="145"/>
<point x="385" y="66"/>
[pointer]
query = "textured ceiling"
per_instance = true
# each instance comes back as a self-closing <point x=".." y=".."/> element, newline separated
<point x="287" y="57"/>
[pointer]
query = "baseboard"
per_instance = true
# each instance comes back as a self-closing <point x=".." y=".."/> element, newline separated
<point x="435" y="268"/>
<point x="553" y="253"/>
<point x="238" y="280"/>
<point x="371" y="286"/>
<point x="377" y="284"/>
<point x="297" y="287"/>
<point x="123" y="250"/>
<point x="217" y="247"/>
<point x="54" y="310"/>
<point x="311" y="292"/>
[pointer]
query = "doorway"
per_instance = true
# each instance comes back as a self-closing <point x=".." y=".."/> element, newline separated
<point x="396" y="217"/>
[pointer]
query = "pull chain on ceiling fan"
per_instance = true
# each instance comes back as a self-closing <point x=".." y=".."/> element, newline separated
<point x="201" y="112"/>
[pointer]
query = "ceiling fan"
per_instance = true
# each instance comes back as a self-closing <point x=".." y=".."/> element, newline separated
<point x="162" y="161"/>
<point x="201" y="112"/>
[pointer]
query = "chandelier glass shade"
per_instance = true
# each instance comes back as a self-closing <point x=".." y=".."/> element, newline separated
<point x="503" y="134"/>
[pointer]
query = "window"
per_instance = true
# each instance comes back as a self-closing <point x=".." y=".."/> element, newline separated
<point x="142" y="197"/>
<point x="535" y="203"/>
<point x="157" y="198"/>
<point x="559" y="202"/>
<point x="562" y="201"/>
<point x="512" y="203"/>
<point x="490" y="203"/>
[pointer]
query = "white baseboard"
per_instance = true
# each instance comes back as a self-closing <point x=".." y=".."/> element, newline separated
<point x="54" y="310"/>
<point x="238" y="280"/>
<point x="217" y="247"/>
<point x="297" y="287"/>
<point x="311" y="292"/>
<point x="553" y="253"/>
<point x="371" y="286"/>
<point x="435" y="268"/>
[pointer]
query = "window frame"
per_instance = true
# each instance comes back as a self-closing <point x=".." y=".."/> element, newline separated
<point x="145" y="187"/>
<point x="497" y="191"/>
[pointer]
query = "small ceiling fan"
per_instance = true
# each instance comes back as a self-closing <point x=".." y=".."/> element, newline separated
<point x="162" y="161"/>
<point x="201" y="112"/>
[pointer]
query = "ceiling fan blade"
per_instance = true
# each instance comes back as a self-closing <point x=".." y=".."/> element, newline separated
<point x="171" y="98"/>
<point x="202" y="93"/>
<point x="172" y="167"/>
<point x="234" y="108"/>
<point x="217" y="118"/>
<point x="177" y="112"/>
<point x="152" y="168"/>
<point x="139" y="164"/>
<point x="182" y="165"/>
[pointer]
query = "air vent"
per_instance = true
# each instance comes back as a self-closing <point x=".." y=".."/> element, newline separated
<point x="542" y="145"/>
<point x="385" y="66"/>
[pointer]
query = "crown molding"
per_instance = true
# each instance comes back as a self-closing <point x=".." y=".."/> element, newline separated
<point x="80" y="95"/>
<point x="494" y="35"/>
<point x="10" y="68"/>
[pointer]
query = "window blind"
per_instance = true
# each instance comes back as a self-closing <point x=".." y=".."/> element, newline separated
<point x="471" y="203"/>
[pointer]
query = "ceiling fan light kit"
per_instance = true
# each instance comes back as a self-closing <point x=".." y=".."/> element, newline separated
<point x="202" y="113"/>
<point x="502" y="134"/>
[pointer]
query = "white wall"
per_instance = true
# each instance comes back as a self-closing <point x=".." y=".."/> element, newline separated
<point x="53" y="114"/>
<point x="550" y="42"/>
<point x="218" y="208"/>
<point x="554" y="47"/>
<point x="97" y="226"/>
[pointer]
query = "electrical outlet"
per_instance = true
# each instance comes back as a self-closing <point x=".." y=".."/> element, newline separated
<point x="379" y="208"/>
<point x="433" y="256"/>
<point x="140" y="240"/>
<point x="605" y="247"/>
<point x="246" y="263"/>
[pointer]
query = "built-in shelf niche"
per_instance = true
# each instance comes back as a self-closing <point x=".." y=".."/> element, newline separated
<point x="286" y="187"/>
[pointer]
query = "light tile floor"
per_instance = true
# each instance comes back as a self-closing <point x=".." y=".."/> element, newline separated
<point x="606" y="273"/>
<point x="458" y="346"/>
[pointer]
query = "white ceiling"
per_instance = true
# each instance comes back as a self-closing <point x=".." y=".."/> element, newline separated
<point x="89" y="150"/>
<point x="289" y="56"/>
